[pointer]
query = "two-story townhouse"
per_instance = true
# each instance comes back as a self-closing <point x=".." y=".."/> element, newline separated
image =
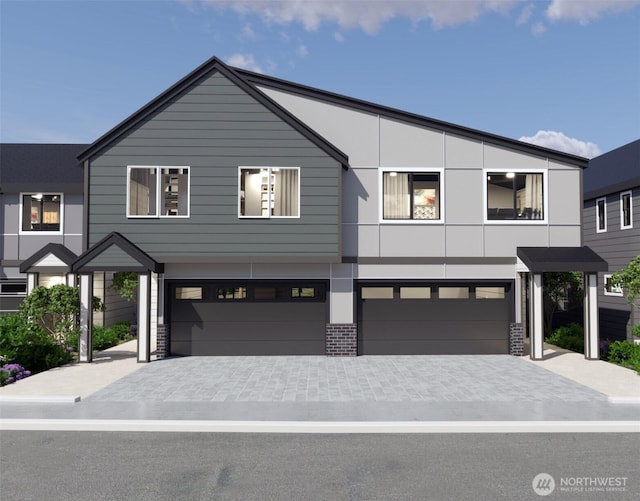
<point x="612" y="229"/>
<point x="41" y="211"/>
<point x="265" y="217"/>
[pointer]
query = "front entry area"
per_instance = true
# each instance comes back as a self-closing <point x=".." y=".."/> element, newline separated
<point x="247" y="318"/>
<point x="434" y="318"/>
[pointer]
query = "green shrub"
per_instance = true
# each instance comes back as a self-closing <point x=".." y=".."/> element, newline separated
<point x="569" y="337"/>
<point x="29" y="345"/>
<point x="104" y="338"/>
<point x="635" y="330"/>
<point x="625" y="354"/>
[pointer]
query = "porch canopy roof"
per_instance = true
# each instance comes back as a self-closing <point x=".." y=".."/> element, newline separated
<point x="560" y="259"/>
<point x="115" y="253"/>
<point x="52" y="258"/>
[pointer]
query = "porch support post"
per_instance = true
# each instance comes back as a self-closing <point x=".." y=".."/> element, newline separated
<point x="591" y="329"/>
<point x="85" y="348"/>
<point x="71" y="279"/>
<point x="32" y="282"/>
<point x="536" y="317"/>
<point x="144" y="317"/>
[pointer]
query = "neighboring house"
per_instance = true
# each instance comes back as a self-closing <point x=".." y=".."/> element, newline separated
<point x="266" y="217"/>
<point x="612" y="228"/>
<point x="41" y="204"/>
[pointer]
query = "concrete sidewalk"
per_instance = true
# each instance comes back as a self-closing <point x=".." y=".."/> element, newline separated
<point x="75" y="381"/>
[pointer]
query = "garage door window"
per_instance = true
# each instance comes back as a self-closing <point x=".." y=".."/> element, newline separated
<point x="231" y="293"/>
<point x="189" y="293"/>
<point x="489" y="292"/>
<point x="415" y="292"/>
<point x="303" y="292"/>
<point x="377" y="293"/>
<point x="453" y="292"/>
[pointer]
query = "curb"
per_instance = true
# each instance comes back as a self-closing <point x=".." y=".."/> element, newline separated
<point x="39" y="399"/>
<point x="323" y="427"/>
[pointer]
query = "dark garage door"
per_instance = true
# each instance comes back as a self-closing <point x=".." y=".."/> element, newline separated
<point x="248" y="318"/>
<point x="434" y="319"/>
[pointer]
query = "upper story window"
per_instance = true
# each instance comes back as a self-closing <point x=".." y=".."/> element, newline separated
<point x="601" y="215"/>
<point x="515" y="196"/>
<point x="269" y="192"/>
<point x="157" y="191"/>
<point x="41" y="212"/>
<point x="411" y="195"/>
<point x="626" y="216"/>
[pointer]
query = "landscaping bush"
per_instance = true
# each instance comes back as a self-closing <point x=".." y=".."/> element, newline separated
<point x="30" y="346"/>
<point x="104" y="338"/>
<point x="10" y="373"/>
<point x="625" y="354"/>
<point x="569" y="337"/>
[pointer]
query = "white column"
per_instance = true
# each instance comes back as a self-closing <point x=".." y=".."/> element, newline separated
<point x="144" y="316"/>
<point x="85" y="348"/>
<point x="71" y="279"/>
<point x="153" y="311"/>
<point x="536" y="316"/>
<point x="341" y="294"/>
<point x="591" y="328"/>
<point x="32" y="282"/>
<point x="518" y="297"/>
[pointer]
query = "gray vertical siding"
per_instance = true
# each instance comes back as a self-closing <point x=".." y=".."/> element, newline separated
<point x="214" y="128"/>
<point x="617" y="247"/>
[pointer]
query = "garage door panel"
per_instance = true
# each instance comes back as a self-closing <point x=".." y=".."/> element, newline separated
<point x="437" y="347"/>
<point x="258" y="312"/>
<point x="435" y="310"/>
<point x="248" y="331"/>
<point x="394" y="330"/>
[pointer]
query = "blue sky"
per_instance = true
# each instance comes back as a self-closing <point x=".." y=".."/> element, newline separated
<point x="563" y="73"/>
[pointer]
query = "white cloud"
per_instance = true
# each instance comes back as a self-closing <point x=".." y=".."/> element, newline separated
<point x="302" y="51"/>
<point x="246" y="61"/>
<point x="585" y="11"/>
<point x="367" y="15"/>
<point x="538" y="29"/>
<point x="338" y="37"/>
<point x="525" y="14"/>
<point x="558" y="141"/>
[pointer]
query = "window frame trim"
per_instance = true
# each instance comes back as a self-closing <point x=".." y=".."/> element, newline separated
<point x="610" y="293"/>
<point x="526" y="222"/>
<point x="604" y="230"/>
<point x="40" y="232"/>
<point x="269" y="171"/>
<point x="417" y="170"/>
<point x="159" y="194"/>
<point x="630" y="225"/>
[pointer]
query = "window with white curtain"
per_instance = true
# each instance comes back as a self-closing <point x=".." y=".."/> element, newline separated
<point x="410" y="195"/>
<point x="158" y="191"/>
<point x="269" y="192"/>
<point x="515" y="195"/>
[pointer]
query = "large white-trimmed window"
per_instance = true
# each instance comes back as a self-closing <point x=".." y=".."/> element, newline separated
<point x="601" y="215"/>
<point x="626" y="216"/>
<point x="269" y="192"/>
<point x="611" y="289"/>
<point x="513" y="195"/>
<point x="41" y="212"/>
<point x="158" y="191"/>
<point x="411" y="195"/>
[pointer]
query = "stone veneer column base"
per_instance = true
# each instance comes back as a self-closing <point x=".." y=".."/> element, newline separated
<point x="516" y="339"/>
<point x="342" y="340"/>
<point x="162" y="350"/>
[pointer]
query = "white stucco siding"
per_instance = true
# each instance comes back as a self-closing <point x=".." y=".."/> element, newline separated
<point x="407" y="145"/>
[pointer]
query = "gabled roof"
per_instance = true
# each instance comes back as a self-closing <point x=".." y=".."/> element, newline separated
<point x="115" y="253"/>
<point x="561" y="259"/>
<point x="611" y="172"/>
<point x="213" y="64"/>
<point x="40" y="167"/>
<point x="49" y="257"/>
<point x="395" y="114"/>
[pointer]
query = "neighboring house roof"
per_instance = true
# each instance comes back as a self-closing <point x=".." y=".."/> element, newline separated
<point x="50" y="258"/>
<point x="615" y="171"/>
<point x="213" y="64"/>
<point x="40" y="167"/>
<point x="561" y="259"/>
<point x="393" y="113"/>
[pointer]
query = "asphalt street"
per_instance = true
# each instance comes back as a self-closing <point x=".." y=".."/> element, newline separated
<point x="84" y="466"/>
